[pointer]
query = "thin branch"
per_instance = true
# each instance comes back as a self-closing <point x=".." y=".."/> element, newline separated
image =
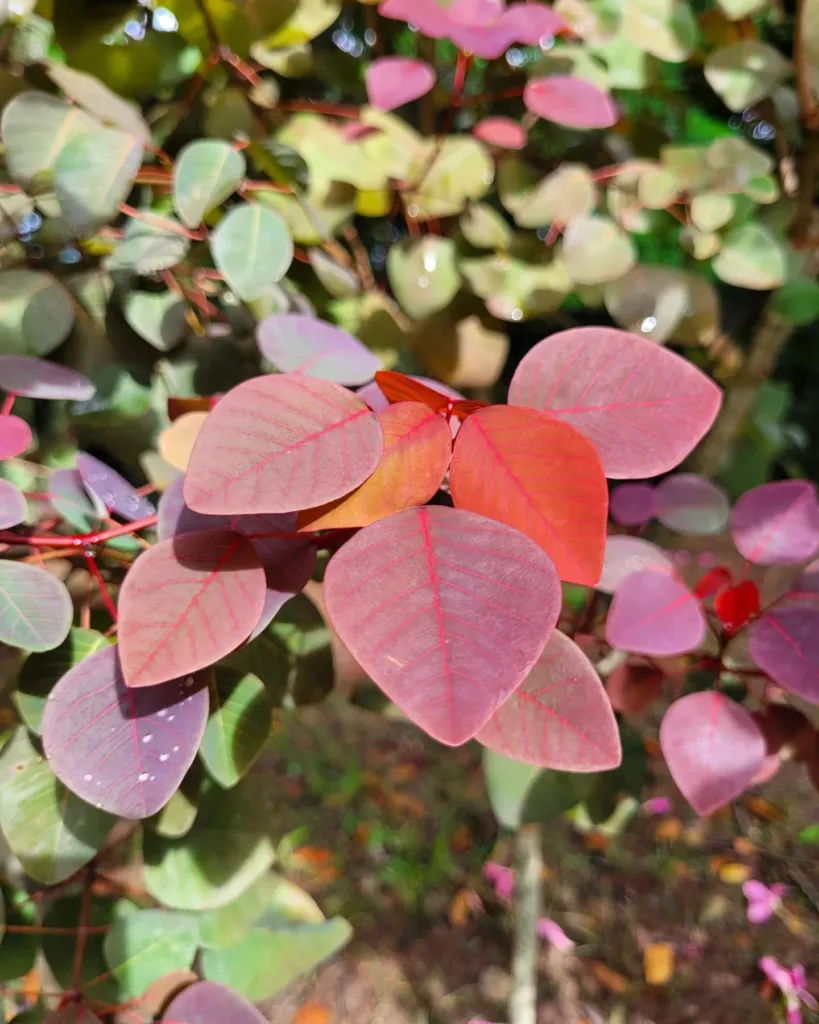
<point x="82" y="933"/>
<point x="78" y="540"/>
<point x="94" y="569"/>
<point x="210" y="24"/>
<point x="528" y="870"/>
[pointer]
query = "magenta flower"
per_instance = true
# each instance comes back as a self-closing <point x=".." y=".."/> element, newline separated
<point x="502" y="879"/>
<point x="486" y="28"/>
<point x="552" y="932"/>
<point x="763" y="902"/>
<point x="791" y="983"/>
<point x="658" y="805"/>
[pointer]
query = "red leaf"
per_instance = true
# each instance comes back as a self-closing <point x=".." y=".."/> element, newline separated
<point x="559" y="717"/>
<point x="279" y="444"/>
<point x="400" y="388"/>
<point x="734" y="606"/>
<point x="644" y="407"/>
<point x="539" y="475"/>
<point x="188" y="602"/>
<point x="634" y="688"/>
<point x="713" y="748"/>
<point x="417" y="450"/>
<point x="466" y="407"/>
<point x="711" y="582"/>
<point x="445" y="610"/>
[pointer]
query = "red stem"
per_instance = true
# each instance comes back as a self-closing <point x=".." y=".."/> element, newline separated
<point x="78" y="539"/>
<point x="317" y="107"/>
<point x="8" y="404"/>
<point x="94" y="569"/>
<point x="461" y="68"/>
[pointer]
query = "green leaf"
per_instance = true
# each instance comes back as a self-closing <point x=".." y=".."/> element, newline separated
<point x="18" y="950"/>
<point x="279" y="162"/>
<point x="42" y="672"/>
<point x="93" y="175"/>
<point x="98" y="100"/>
<point x="553" y="793"/>
<point x="158" y="317"/>
<point x="798" y="301"/>
<point x="264" y="962"/>
<point x="711" y="212"/>
<point x="507" y="783"/>
<point x="75" y="21"/>
<point x="147" y="247"/>
<point x="238" y="26"/>
<point x="178" y="815"/>
<point x="311" y="18"/>
<point x="810" y="834"/>
<point x="667" y="30"/>
<point x="50" y="831"/>
<point x="737" y="10"/>
<point x="206" y="173"/>
<point x="483" y="227"/>
<point x="752" y="256"/>
<point x="238" y="727"/>
<point x="424" y="275"/>
<point x="744" y="73"/>
<point x="36" y="128"/>
<point x="253" y="249"/>
<point x="595" y="250"/>
<point x="35" y="607"/>
<point x="461" y="169"/>
<point x="36" y="313"/>
<point x="143" y="946"/>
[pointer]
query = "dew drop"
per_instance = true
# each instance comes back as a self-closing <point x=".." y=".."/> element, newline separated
<point x="98" y="805"/>
<point x="164" y="757"/>
<point x="171" y="718"/>
<point x="147" y="737"/>
<point x="175" y="749"/>
<point x="143" y="777"/>
<point x="162" y="712"/>
<point x="87" y="778"/>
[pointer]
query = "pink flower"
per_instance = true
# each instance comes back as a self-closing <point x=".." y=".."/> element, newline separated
<point x="552" y="932"/>
<point x="763" y="902"/>
<point x="791" y="982"/>
<point x="502" y="879"/>
<point x="486" y="28"/>
<point x="658" y="805"/>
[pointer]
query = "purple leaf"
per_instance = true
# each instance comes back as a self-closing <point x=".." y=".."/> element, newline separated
<point x="785" y="644"/>
<point x="288" y="562"/>
<point x="113" y="491"/>
<point x="559" y="716"/>
<point x="447" y="611"/>
<point x="632" y="504"/>
<point x="712" y="747"/>
<point x="570" y="101"/>
<point x="777" y="523"/>
<point x="36" y="378"/>
<point x="205" y="1002"/>
<point x="121" y="749"/>
<point x="689" y="503"/>
<point x="644" y="407"/>
<point x="393" y="81"/>
<point x="13" y="507"/>
<point x="501" y="132"/>
<point x="295" y="343"/>
<point x="15" y="436"/>
<point x="655" y="614"/>
<point x="627" y="555"/>
<point x="806" y="585"/>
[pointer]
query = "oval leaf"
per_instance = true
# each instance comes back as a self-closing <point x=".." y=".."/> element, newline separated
<point x="539" y="475"/>
<point x="632" y="504"/>
<point x="713" y="748"/>
<point x="94" y="174"/>
<point x="35" y="378"/>
<point x="15" y="436"/>
<point x="295" y="343"/>
<point x="570" y="101"/>
<point x="70" y="499"/>
<point x="206" y="172"/>
<point x="35" y="607"/>
<point x="209" y="1003"/>
<point x="785" y="644"/>
<point x="595" y="250"/>
<point x="417" y="451"/>
<point x="653" y="613"/>
<point x="643" y="407"/>
<point x="689" y="503"/>
<point x="143" y="946"/>
<point x="188" y="602"/>
<point x="627" y="555"/>
<point x="559" y="717"/>
<point x="280" y="444"/>
<point x="118" y="748"/>
<point x="777" y="523"/>
<point x="450" y="635"/>
<point x="38" y="312"/>
<point x="501" y="132"/>
<point x="253" y="249"/>
<point x="13" y="507"/>
<point x="114" y="491"/>
<point x="238" y="727"/>
<point x="36" y="127"/>
<point x="393" y="81"/>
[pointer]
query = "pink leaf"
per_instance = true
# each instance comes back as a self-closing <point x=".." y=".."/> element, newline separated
<point x="120" y="749"/>
<point x="15" y="436"/>
<point x="35" y="378"/>
<point x="205" y="1002"/>
<point x="689" y="503"/>
<point x="632" y="504"/>
<point x="644" y="407"/>
<point x="295" y="343"/>
<point x="502" y="132"/>
<point x="559" y="717"/>
<point x="113" y="490"/>
<point x="785" y="644"/>
<point x="393" y="81"/>
<point x="13" y="507"/>
<point x="627" y="555"/>
<point x="777" y="523"/>
<point x="713" y="748"/>
<point x="655" y="614"/>
<point x="570" y="101"/>
<point x="188" y="602"/>
<point x="279" y="444"/>
<point x="446" y="611"/>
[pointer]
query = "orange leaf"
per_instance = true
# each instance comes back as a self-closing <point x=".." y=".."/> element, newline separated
<point x="179" y="406"/>
<point x="313" y="1013"/>
<point x="175" y="444"/>
<point x="762" y="809"/>
<point x="744" y="847"/>
<point x="397" y="387"/>
<point x="608" y="978"/>
<point x="734" y="874"/>
<point x="658" y="963"/>
<point x="534" y="472"/>
<point x="669" y="830"/>
<point x="466" y="903"/>
<point x="417" y="450"/>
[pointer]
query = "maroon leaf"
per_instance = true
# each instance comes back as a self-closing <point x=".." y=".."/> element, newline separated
<point x="570" y="101"/>
<point x="644" y="407"/>
<point x="205" y="1002"/>
<point x="15" y="436"/>
<point x="713" y="748"/>
<point x="653" y="613"/>
<point x="13" y="508"/>
<point x="288" y="562"/>
<point x="295" y="343"/>
<point x="627" y="555"/>
<point x="785" y="644"/>
<point x="559" y="717"/>
<point x="777" y="523"/>
<point x="446" y="611"/>
<point x="633" y="688"/>
<point x="123" y="750"/>
<point x="632" y="504"/>
<point x="279" y="444"/>
<point x="36" y="378"/>
<point x="113" y="490"/>
<point x="188" y="602"/>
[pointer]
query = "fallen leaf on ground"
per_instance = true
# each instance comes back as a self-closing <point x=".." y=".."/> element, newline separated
<point x="608" y="978"/>
<point x="658" y="963"/>
<point x="734" y="874"/>
<point x="313" y="1013"/>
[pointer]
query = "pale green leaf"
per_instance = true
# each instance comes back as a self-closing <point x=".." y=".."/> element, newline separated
<point x="711" y="212"/>
<point x="745" y="72"/>
<point x="143" y="946"/>
<point x="595" y="250"/>
<point x="36" y="312"/>
<point x="148" y="247"/>
<point x="205" y="174"/>
<point x="238" y="25"/>
<point x="667" y="29"/>
<point x="447" y="175"/>
<point x="158" y="317"/>
<point x="311" y="18"/>
<point x="35" y="607"/>
<point x="752" y="256"/>
<point x="562" y="196"/>
<point x="93" y="175"/>
<point x="738" y="10"/>
<point x="507" y="783"/>
<point x="36" y="128"/>
<point x="424" y="275"/>
<point x="483" y="227"/>
<point x="238" y="727"/>
<point x="252" y="248"/>
<point x="98" y="100"/>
